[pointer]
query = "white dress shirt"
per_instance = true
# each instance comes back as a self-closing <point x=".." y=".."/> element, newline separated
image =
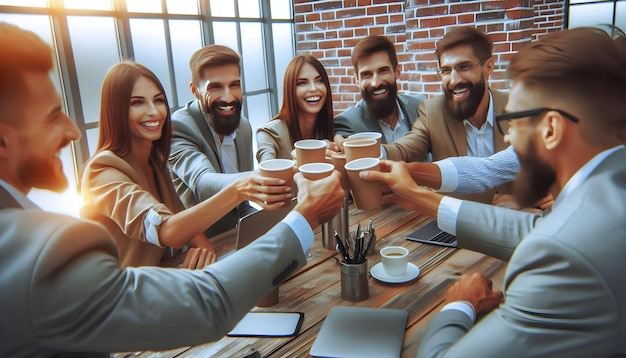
<point x="402" y="127"/>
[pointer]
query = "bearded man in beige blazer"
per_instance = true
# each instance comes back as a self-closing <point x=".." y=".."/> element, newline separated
<point x="459" y="122"/>
<point x="63" y="290"/>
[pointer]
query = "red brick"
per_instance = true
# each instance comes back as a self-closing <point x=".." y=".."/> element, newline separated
<point x="396" y="18"/>
<point x="313" y="17"/>
<point x="502" y="47"/>
<point x="376" y="10"/>
<point x="359" y="22"/>
<point x="342" y="14"/>
<point x="346" y="33"/>
<point x="464" y="8"/>
<point x="299" y="9"/>
<point x="438" y="21"/>
<point x="498" y="36"/>
<point x="329" y="44"/>
<point x="377" y="31"/>
<point x="381" y="20"/>
<point x="328" y="15"/>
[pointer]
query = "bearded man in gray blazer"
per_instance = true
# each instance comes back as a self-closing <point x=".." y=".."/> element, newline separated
<point x="63" y="290"/>
<point x="381" y="109"/>
<point x="211" y="140"/>
<point x="564" y="292"/>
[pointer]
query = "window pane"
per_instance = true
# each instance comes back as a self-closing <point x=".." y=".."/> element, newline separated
<point x="92" y="140"/>
<point x="189" y="7"/>
<point x="94" y="44"/>
<point x="249" y="8"/>
<point x="225" y="8"/>
<point x="590" y="15"/>
<point x="283" y="53"/>
<point x="281" y="9"/>
<point x="620" y="15"/>
<point x="66" y="202"/>
<point x="258" y="112"/>
<point x="149" y="46"/>
<point x="143" y="6"/>
<point x="88" y="5"/>
<point x="225" y="33"/>
<point x="35" y="3"/>
<point x="253" y="57"/>
<point x="186" y="39"/>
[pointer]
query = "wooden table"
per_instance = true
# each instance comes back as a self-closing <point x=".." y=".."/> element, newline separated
<point x="315" y="289"/>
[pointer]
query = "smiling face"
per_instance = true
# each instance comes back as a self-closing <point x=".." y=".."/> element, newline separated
<point x="464" y="90"/>
<point x="147" y="112"/>
<point x="310" y="90"/>
<point x="34" y="143"/>
<point x="220" y="97"/>
<point x="377" y="80"/>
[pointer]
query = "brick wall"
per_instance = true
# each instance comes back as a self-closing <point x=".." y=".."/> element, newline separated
<point x="329" y="29"/>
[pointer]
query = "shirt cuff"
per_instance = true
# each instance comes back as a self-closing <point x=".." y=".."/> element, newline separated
<point x="448" y="213"/>
<point x="463" y="306"/>
<point x="151" y="224"/>
<point x="301" y="228"/>
<point x="449" y="176"/>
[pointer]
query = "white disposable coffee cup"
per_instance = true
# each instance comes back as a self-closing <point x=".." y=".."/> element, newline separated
<point x="315" y="171"/>
<point x="310" y="151"/>
<point x="395" y="260"/>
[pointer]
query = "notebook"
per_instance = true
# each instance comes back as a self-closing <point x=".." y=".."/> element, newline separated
<point x="361" y="332"/>
<point x="254" y="225"/>
<point x="432" y="234"/>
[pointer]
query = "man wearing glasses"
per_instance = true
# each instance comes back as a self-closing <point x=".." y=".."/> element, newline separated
<point x="564" y="292"/>
<point x="459" y="122"/>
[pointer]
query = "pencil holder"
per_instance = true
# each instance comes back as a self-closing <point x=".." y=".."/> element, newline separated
<point x="354" y="284"/>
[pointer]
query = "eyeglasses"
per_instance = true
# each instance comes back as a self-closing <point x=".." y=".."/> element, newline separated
<point x="504" y="128"/>
<point x="460" y="68"/>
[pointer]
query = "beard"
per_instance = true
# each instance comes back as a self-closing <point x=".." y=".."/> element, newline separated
<point x="464" y="109"/>
<point x="381" y="108"/>
<point x="222" y="124"/>
<point x="43" y="174"/>
<point x="534" y="179"/>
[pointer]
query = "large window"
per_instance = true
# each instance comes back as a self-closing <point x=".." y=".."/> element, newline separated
<point x="91" y="36"/>
<point x="596" y="13"/>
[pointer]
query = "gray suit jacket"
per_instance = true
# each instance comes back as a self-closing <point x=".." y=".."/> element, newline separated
<point x="63" y="289"/>
<point x="564" y="287"/>
<point x="195" y="166"/>
<point x="357" y="118"/>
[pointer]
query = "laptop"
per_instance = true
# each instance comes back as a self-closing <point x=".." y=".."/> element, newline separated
<point x="432" y="234"/>
<point x="254" y="225"/>
<point x="361" y="332"/>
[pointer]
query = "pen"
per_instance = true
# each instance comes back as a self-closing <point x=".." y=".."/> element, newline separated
<point x="342" y="248"/>
<point x="357" y="249"/>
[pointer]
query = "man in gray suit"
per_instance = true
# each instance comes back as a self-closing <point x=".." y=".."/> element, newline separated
<point x="564" y="292"/>
<point x="63" y="290"/>
<point x="211" y="141"/>
<point x="381" y="109"/>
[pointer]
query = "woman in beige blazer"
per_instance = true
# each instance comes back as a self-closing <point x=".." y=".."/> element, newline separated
<point x="126" y="185"/>
<point x="306" y="112"/>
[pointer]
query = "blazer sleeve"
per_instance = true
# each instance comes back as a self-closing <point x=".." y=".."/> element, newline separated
<point x="556" y="305"/>
<point x="109" y="190"/>
<point x="416" y="144"/>
<point x="492" y="230"/>
<point x="199" y="171"/>
<point x="273" y="141"/>
<point x="82" y="300"/>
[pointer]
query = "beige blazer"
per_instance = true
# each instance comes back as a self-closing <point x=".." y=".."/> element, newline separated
<point x="116" y="194"/>
<point x="436" y="132"/>
<point x="273" y="141"/>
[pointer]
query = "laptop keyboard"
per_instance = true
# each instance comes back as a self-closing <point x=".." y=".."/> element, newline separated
<point x="444" y="237"/>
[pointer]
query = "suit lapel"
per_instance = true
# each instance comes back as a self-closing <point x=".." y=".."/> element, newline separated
<point x="201" y="122"/>
<point x="7" y="201"/>
<point x="499" y="101"/>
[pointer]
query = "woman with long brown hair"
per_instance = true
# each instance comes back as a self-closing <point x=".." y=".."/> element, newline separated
<point x="126" y="185"/>
<point x="306" y="112"/>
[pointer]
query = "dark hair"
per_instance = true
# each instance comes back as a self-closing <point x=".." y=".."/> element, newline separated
<point x="369" y="45"/>
<point x="20" y="51"/>
<point x="114" y="107"/>
<point x="466" y="35"/>
<point x="584" y="66"/>
<point x="324" y="124"/>
<point x="209" y="56"/>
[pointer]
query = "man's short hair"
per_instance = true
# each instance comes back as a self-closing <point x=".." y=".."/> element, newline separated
<point x="585" y="67"/>
<point x="480" y="43"/>
<point x="209" y="56"/>
<point x="369" y="45"/>
<point x="20" y="51"/>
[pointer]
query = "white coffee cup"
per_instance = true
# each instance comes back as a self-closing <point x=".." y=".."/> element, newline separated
<point x="395" y="260"/>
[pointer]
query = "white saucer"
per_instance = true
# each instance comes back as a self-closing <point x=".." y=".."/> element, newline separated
<point x="378" y="272"/>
